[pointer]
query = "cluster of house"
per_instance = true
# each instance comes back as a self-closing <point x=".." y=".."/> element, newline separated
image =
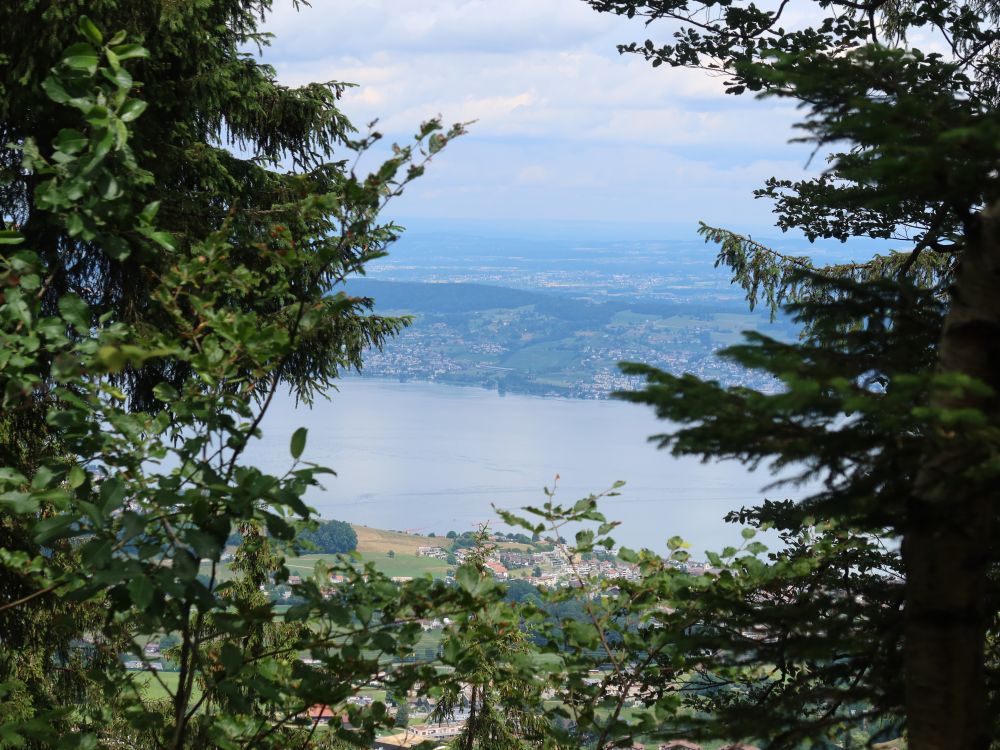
<point x="554" y="565"/>
<point x="150" y="651"/>
<point x="446" y="731"/>
<point x="436" y="552"/>
<point x="417" y="735"/>
<point x="688" y="745"/>
<point x="136" y="664"/>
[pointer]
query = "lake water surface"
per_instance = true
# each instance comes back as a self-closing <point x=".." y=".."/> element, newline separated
<point x="427" y="457"/>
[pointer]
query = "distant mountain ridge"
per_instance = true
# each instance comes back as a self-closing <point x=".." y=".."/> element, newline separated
<point x="549" y="343"/>
<point x="458" y="297"/>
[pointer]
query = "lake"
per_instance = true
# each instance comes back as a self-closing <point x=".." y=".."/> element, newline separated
<point x="425" y="457"/>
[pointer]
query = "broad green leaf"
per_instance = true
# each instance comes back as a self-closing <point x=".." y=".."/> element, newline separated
<point x="76" y="477"/>
<point x="132" y="109"/>
<point x="128" y="51"/>
<point x="109" y="188"/>
<point x="298" y="442"/>
<point x="44" y="476"/>
<point x="231" y="658"/>
<point x="74" y="310"/>
<point x="90" y="30"/>
<point x="112" y="358"/>
<point x="141" y="591"/>
<point x="52" y="528"/>
<point x="55" y="90"/>
<point x="75" y="225"/>
<point x="19" y="502"/>
<point x="163" y="239"/>
<point x="70" y="141"/>
<point x="165" y="392"/>
<point x="149" y="211"/>
<point x="10" y="237"/>
<point x="115" y="248"/>
<point x="7" y="474"/>
<point x="468" y="578"/>
<point x="81" y="57"/>
<point x="119" y="77"/>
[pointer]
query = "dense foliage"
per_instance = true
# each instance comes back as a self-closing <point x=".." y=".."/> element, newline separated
<point x="332" y="537"/>
<point x="890" y="409"/>
<point x="158" y="289"/>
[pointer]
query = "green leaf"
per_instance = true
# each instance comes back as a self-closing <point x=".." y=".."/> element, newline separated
<point x="74" y="310"/>
<point x="52" y="528"/>
<point x="7" y="474"/>
<point x="109" y="188"/>
<point x="44" y="477"/>
<point x="19" y="502"/>
<point x="81" y="57"/>
<point x="384" y="642"/>
<point x="298" y="442"/>
<point x="10" y="237"/>
<point x="77" y="476"/>
<point x="140" y="589"/>
<point x="297" y="612"/>
<point x="89" y="29"/>
<point x="116" y="248"/>
<point x="148" y="212"/>
<point x="105" y="136"/>
<point x="468" y="578"/>
<point x="756" y="548"/>
<point x="231" y="658"/>
<point x="70" y="141"/>
<point x="120" y="77"/>
<point x="128" y="51"/>
<point x="55" y="90"/>
<point x="112" y="357"/>
<point x="163" y="239"/>
<point x="165" y="392"/>
<point x="132" y="109"/>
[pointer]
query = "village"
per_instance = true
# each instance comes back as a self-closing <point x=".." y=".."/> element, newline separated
<point x="555" y="567"/>
<point x="420" y="728"/>
<point x="516" y="560"/>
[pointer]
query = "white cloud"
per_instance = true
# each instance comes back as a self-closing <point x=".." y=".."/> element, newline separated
<point x="533" y="174"/>
<point x="356" y="27"/>
<point x="564" y="124"/>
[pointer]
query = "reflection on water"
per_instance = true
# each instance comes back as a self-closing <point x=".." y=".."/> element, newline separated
<point x="418" y="456"/>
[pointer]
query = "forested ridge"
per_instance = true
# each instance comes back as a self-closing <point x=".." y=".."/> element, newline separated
<point x="177" y="231"/>
<point x="552" y="343"/>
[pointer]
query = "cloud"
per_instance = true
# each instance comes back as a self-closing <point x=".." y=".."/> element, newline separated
<point x="356" y="27"/>
<point x="533" y="174"/>
<point x="517" y="180"/>
<point x="564" y="124"/>
<point x="577" y="95"/>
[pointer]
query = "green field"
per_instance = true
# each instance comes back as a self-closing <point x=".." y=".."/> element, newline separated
<point x="373" y="544"/>
<point x="154" y="689"/>
<point x="401" y="565"/>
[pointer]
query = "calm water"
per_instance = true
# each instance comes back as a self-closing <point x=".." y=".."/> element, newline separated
<point x="428" y="457"/>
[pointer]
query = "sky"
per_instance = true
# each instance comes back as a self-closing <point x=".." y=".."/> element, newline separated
<point x="565" y="128"/>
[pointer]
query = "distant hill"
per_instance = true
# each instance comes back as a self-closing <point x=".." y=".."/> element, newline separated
<point x="461" y="297"/>
<point x="550" y="343"/>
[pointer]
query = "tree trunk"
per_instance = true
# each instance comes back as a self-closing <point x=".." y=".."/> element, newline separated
<point x="946" y="545"/>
